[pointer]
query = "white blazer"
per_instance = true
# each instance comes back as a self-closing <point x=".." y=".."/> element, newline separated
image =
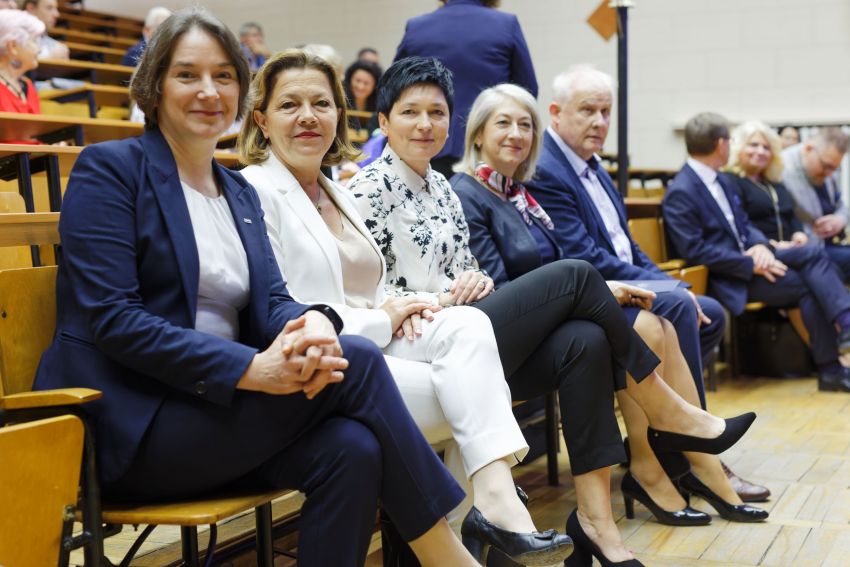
<point x="306" y="251"/>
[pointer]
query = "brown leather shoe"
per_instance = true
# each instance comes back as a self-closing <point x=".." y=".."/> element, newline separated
<point x="747" y="491"/>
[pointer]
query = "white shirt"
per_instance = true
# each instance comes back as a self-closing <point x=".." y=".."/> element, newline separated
<point x="224" y="280"/>
<point x="708" y="176"/>
<point x="604" y="206"/>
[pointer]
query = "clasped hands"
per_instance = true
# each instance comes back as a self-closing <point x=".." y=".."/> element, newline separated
<point x="305" y="357"/>
<point x="765" y="263"/>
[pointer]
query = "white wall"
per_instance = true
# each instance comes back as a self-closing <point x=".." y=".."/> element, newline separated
<point x="778" y="60"/>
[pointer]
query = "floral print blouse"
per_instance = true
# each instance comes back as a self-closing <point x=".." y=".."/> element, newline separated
<point x="418" y="225"/>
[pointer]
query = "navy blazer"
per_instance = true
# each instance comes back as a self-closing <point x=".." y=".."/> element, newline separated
<point x="127" y="293"/>
<point x="701" y="234"/>
<point x="481" y="46"/>
<point x="498" y="236"/>
<point x="579" y="228"/>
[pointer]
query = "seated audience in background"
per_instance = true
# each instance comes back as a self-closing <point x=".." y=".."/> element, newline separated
<point x="369" y="54"/>
<point x="361" y="82"/>
<point x="756" y="164"/>
<point x="557" y="327"/>
<point x="510" y="234"/>
<point x="707" y="225"/>
<point x="48" y="12"/>
<point x="155" y="17"/>
<point x="253" y="45"/>
<point x="8" y="5"/>
<point x="19" y="33"/>
<point x="170" y="302"/>
<point x="447" y="368"/>
<point x="328" y="53"/>
<point x="809" y="176"/>
<point x="789" y="136"/>
<point x="450" y="34"/>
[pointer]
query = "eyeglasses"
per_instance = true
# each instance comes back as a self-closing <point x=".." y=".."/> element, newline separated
<point x="828" y="168"/>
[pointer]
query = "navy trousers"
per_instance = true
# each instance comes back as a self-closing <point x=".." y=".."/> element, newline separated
<point x="813" y="284"/>
<point x="353" y="444"/>
<point x="695" y="341"/>
<point x="840" y="256"/>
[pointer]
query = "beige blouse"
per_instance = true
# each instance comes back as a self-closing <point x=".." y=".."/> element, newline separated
<point x="361" y="265"/>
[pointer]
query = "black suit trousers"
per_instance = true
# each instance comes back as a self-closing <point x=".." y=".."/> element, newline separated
<point x="559" y="327"/>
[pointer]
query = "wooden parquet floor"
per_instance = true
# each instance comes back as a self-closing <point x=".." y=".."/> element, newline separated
<point x="799" y="447"/>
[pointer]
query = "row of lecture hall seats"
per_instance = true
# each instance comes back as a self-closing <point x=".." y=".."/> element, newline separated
<point x="32" y="182"/>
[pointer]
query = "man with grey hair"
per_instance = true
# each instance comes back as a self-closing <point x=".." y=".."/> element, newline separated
<point x="809" y="175"/>
<point x="708" y="225"/>
<point x="254" y="45"/>
<point x="590" y="220"/>
<point x="155" y="17"/>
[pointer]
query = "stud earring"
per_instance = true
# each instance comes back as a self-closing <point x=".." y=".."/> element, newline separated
<point x="15" y="63"/>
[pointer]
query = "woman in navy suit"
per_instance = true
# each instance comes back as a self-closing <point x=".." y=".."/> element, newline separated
<point x="170" y="301"/>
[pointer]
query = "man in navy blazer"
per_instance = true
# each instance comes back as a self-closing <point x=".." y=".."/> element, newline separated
<point x="707" y="225"/>
<point x="588" y="212"/>
<point x="590" y="220"/>
<point x="481" y="46"/>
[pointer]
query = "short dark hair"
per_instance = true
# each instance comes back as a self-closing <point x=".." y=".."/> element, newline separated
<point x="412" y="71"/>
<point x="248" y="26"/>
<point x="366" y="50"/>
<point x="146" y="84"/>
<point x="703" y="131"/>
<point x="370" y="68"/>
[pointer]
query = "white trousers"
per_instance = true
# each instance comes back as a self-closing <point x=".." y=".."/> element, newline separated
<point x="452" y="381"/>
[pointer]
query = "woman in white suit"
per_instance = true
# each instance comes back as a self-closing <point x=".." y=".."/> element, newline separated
<point x="446" y="362"/>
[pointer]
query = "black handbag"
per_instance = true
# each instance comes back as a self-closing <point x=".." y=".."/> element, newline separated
<point x="769" y="346"/>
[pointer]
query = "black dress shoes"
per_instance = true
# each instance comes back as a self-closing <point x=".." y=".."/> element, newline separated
<point x="586" y="550"/>
<point x="732" y="512"/>
<point x="534" y="548"/>
<point x="834" y="381"/>
<point x="665" y="441"/>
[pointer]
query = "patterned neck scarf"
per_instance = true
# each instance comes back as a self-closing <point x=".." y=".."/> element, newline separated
<point x="515" y="193"/>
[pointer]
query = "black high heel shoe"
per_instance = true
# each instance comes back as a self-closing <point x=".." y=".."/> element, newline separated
<point x="687" y="516"/>
<point x="535" y="548"/>
<point x="586" y="550"/>
<point x="665" y="441"/>
<point x="732" y="512"/>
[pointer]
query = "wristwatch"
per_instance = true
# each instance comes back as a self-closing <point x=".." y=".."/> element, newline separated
<point x="328" y="312"/>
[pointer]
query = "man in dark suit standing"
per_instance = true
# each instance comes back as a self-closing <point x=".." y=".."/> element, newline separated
<point x="590" y="219"/>
<point x="708" y="226"/>
<point x="481" y="46"/>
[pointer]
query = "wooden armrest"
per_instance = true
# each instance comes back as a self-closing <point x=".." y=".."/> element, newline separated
<point x="48" y="398"/>
<point x="676" y="264"/>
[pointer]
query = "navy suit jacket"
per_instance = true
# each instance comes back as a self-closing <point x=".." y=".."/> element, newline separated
<point x="127" y="292"/>
<point x="481" y="46"/>
<point x="498" y="236"/>
<point x="701" y="234"/>
<point x="579" y="228"/>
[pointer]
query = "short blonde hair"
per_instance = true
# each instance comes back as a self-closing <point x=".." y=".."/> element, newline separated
<point x="482" y="109"/>
<point x="741" y="136"/>
<point x="252" y="143"/>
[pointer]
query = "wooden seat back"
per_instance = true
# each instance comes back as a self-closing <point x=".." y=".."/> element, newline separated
<point x="648" y="233"/>
<point x="13" y="256"/>
<point x="39" y="476"/>
<point x="27" y="322"/>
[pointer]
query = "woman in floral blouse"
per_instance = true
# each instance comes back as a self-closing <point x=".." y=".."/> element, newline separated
<point x="558" y="326"/>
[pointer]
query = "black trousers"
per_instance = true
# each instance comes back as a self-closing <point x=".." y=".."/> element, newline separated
<point x="353" y="444"/>
<point x="559" y="327"/>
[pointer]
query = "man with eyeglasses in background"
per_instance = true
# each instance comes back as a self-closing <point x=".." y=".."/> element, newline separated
<point x="810" y="177"/>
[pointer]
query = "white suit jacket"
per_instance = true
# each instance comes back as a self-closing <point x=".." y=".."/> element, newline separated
<point x="306" y="251"/>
